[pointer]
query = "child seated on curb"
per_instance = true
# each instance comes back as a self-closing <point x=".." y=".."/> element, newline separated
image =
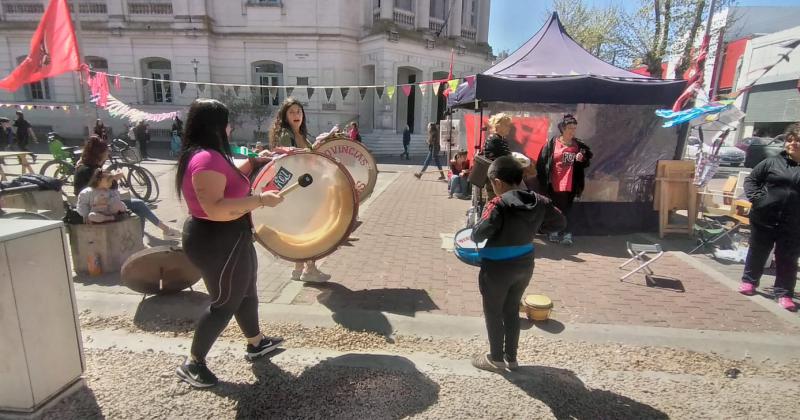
<point x="508" y="224"/>
<point x="98" y="202"/>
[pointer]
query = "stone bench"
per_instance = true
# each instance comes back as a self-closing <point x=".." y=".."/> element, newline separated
<point x="113" y="242"/>
<point x="35" y="200"/>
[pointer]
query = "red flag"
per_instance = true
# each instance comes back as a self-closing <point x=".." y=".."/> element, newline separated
<point x="54" y="49"/>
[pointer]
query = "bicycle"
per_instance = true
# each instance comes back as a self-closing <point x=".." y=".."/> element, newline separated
<point x="65" y="158"/>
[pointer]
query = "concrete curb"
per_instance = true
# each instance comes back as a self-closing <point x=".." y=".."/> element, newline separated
<point x="734" y="345"/>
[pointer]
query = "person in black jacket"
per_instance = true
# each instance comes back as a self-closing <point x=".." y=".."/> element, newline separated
<point x="508" y="225"/>
<point x="406" y="142"/>
<point x="773" y="187"/>
<point x="560" y="169"/>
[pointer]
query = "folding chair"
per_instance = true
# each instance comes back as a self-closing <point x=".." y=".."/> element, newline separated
<point x="641" y="253"/>
<point x="711" y="230"/>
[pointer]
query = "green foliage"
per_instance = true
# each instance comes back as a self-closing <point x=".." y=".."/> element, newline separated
<point x="244" y="108"/>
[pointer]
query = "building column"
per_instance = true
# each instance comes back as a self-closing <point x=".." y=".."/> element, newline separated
<point x="454" y="22"/>
<point x="483" y="21"/>
<point x="387" y="9"/>
<point x="423" y="13"/>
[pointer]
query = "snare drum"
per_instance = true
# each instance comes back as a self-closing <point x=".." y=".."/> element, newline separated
<point x="358" y="161"/>
<point x="466" y="249"/>
<point x="310" y="222"/>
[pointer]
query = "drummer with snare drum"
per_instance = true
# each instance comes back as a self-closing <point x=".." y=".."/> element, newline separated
<point x="290" y="132"/>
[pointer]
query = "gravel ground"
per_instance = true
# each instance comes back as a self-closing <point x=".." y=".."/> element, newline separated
<point x="559" y="379"/>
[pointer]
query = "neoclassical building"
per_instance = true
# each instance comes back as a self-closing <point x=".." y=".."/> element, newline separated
<point x="263" y="42"/>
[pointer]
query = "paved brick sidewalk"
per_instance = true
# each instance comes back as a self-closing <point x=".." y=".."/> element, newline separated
<point x="399" y="266"/>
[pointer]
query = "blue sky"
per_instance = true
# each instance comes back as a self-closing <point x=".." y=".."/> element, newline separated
<point x="512" y="22"/>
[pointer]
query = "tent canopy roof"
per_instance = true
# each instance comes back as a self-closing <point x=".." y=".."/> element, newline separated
<point x="552" y="68"/>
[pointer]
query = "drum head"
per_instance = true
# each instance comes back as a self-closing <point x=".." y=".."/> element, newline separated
<point x="159" y="270"/>
<point x="465" y="248"/>
<point x="311" y="222"/>
<point x="358" y="161"/>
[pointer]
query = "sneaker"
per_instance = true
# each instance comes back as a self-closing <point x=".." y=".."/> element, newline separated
<point x="483" y="362"/>
<point x="786" y="303"/>
<point x="747" y="289"/>
<point x="567" y="239"/>
<point x="511" y="364"/>
<point x="449" y="195"/>
<point x="296" y="274"/>
<point x="418" y="175"/>
<point x="267" y="345"/>
<point x="442" y="177"/>
<point x="196" y="374"/>
<point x="315" y="277"/>
<point x="553" y="237"/>
<point x="171" y="234"/>
<point x="462" y="196"/>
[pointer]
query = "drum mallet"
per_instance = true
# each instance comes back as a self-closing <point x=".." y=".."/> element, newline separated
<point x="304" y="181"/>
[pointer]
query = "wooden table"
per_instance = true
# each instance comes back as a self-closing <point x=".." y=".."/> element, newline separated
<point x="23" y="161"/>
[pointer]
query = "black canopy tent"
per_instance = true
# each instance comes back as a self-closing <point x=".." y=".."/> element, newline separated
<point x="551" y="74"/>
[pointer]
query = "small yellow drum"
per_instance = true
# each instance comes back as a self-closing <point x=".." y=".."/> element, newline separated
<point x="537" y="307"/>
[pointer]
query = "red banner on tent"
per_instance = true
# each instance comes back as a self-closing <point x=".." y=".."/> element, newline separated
<point x="54" y="49"/>
<point x="527" y="137"/>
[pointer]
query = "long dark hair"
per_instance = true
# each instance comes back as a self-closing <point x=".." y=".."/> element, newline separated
<point x="204" y="129"/>
<point x="93" y="150"/>
<point x="281" y="122"/>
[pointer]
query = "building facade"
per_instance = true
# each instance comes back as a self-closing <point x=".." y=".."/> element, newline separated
<point x="295" y="43"/>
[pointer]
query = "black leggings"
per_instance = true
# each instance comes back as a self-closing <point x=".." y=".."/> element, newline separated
<point x="224" y="253"/>
<point x="563" y="200"/>
<point x="787" y="250"/>
<point x="502" y="284"/>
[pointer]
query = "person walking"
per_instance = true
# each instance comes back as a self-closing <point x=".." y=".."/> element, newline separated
<point x="406" y="142"/>
<point x="434" y="149"/>
<point x="177" y="132"/>
<point x="100" y="130"/>
<point x="773" y="187"/>
<point x="24" y="132"/>
<point x="508" y="224"/>
<point x="142" y="134"/>
<point x="560" y="169"/>
<point x="218" y="236"/>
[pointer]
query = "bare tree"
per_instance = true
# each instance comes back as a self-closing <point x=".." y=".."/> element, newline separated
<point x="594" y="28"/>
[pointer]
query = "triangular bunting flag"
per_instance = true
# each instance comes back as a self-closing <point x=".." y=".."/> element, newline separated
<point x="310" y="92"/>
<point x="273" y="92"/>
<point x="407" y="89"/>
<point x="379" y="91"/>
<point x="470" y="80"/>
<point x="423" y="89"/>
<point x="344" y="91"/>
<point x="363" y="92"/>
<point x="289" y="91"/>
<point x="453" y="84"/>
<point x="328" y="93"/>
<point x="116" y="82"/>
<point x="201" y="87"/>
<point x="435" y="88"/>
<point x="236" y="90"/>
<point x="253" y="90"/>
<point x="182" y="86"/>
<point x="390" y="91"/>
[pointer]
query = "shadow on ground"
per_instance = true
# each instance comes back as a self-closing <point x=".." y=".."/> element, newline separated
<point x="569" y="398"/>
<point x="362" y="310"/>
<point x="175" y="312"/>
<point x="349" y="386"/>
<point x="82" y="404"/>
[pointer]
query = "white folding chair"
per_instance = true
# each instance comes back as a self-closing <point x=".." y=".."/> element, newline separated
<point x="641" y="253"/>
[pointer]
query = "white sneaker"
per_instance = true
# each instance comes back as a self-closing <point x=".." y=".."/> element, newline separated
<point x="567" y="240"/>
<point x="315" y="277"/>
<point x="553" y="237"/>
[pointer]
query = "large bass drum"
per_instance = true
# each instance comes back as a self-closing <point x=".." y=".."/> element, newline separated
<point x="311" y="222"/>
<point x="358" y="161"/>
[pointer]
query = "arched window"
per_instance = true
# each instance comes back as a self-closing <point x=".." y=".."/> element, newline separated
<point x="268" y="73"/>
<point x="36" y="91"/>
<point x="97" y="63"/>
<point x="159" y="69"/>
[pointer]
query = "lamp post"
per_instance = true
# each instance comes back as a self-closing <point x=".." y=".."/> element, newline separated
<point x="196" y="89"/>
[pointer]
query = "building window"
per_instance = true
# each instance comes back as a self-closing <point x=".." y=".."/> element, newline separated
<point x="264" y="2"/>
<point x="438" y="9"/>
<point x="150" y="7"/>
<point x="14" y="8"/>
<point x="160" y="70"/>
<point x="36" y="91"/>
<point x="470" y="13"/>
<point x="302" y="81"/>
<point x="97" y="63"/>
<point x="268" y="73"/>
<point x="404" y="5"/>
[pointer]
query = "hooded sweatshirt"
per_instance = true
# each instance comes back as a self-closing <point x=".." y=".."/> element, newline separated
<point x="774" y="189"/>
<point x="510" y="221"/>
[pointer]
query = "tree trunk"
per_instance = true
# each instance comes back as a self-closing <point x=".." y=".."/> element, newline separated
<point x="686" y="57"/>
<point x="653" y="59"/>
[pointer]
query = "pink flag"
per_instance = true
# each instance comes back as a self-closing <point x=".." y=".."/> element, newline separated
<point x="407" y="89"/>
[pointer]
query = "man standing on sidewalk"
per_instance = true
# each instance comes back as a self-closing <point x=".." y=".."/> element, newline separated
<point x="143" y="137"/>
<point x="24" y="132"/>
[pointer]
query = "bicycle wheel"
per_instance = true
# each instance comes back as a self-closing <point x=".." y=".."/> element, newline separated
<point x="155" y="191"/>
<point x="135" y="179"/>
<point x="59" y="170"/>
